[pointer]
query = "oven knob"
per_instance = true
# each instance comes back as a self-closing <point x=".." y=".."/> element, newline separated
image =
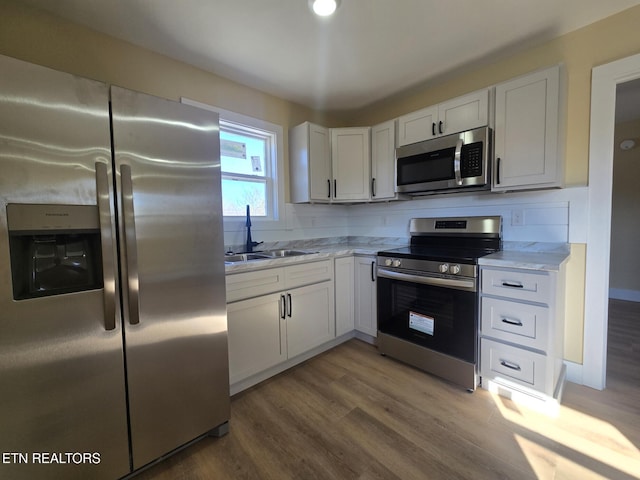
<point x="388" y="262"/>
<point x="455" y="269"/>
<point x="443" y="267"/>
<point x="396" y="263"/>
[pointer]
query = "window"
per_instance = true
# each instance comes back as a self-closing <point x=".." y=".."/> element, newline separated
<point x="246" y="159"/>
<point x="251" y="158"/>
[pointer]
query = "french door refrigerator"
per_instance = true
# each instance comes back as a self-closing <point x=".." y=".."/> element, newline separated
<point x="113" y="330"/>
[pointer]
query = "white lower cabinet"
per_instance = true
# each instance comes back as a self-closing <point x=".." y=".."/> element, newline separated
<point x="276" y="314"/>
<point x="309" y="317"/>
<point x="345" y="298"/>
<point x="256" y="330"/>
<point x="522" y="334"/>
<point x="366" y="318"/>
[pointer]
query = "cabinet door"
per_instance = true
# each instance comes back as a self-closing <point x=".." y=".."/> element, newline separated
<point x="310" y="317"/>
<point x="309" y="163"/>
<point x="526" y="132"/>
<point x="344" y="295"/>
<point x="383" y="176"/>
<point x="256" y="335"/>
<point x="463" y="113"/>
<point x="351" y="161"/>
<point x="366" y="308"/>
<point x="417" y="126"/>
<point x="319" y="163"/>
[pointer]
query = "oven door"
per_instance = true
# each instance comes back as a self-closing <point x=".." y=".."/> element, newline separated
<point x="435" y="313"/>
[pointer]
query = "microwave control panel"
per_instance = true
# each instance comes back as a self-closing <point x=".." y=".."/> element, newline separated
<point x="471" y="160"/>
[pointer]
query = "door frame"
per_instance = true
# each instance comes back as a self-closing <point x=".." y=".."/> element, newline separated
<point x="604" y="80"/>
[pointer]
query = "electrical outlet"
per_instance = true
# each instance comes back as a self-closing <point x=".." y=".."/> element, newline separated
<point x="517" y="217"/>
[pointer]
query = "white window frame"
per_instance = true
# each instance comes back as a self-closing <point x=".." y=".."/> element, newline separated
<point x="276" y="219"/>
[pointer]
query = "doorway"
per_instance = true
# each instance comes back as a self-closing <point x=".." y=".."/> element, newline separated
<point x="623" y="360"/>
<point x="605" y="80"/>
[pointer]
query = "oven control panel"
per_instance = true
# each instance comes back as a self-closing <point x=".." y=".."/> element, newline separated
<point x="428" y="266"/>
<point x="452" y="269"/>
<point x="393" y="262"/>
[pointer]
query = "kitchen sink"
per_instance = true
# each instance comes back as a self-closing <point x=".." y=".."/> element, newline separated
<point x="285" y="253"/>
<point x="264" y="255"/>
<point x="244" y="257"/>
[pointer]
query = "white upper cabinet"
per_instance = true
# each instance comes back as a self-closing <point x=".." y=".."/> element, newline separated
<point x="310" y="164"/>
<point x="456" y="115"/>
<point x="526" y="141"/>
<point x="383" y="165"/>
<point x="329" y="165"/>
<point x="351" y="162"/>
<point x="417" y="126"/>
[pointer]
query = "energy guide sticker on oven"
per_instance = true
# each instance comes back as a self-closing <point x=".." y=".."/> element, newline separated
<point x="421" y="323"/>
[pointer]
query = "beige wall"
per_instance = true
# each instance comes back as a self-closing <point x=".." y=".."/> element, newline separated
<point x="602" y="42"/>
<point x="625" y="227"/>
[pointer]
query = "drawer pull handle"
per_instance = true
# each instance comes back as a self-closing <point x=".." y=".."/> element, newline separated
<point x="517" y="323"/>
<point x="512" y="285"/>
<point x="512" y="366"/>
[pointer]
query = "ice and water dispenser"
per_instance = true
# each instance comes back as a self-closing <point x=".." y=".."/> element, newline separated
<point x="55" y="249"/>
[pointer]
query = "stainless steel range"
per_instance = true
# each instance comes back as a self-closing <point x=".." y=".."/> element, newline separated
<point x="428" y="295"/>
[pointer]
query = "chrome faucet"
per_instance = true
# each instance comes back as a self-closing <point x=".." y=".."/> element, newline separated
<point x="250" y="242"/>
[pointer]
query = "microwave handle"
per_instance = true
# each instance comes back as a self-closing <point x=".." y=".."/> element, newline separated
<point x="456" y="161"/>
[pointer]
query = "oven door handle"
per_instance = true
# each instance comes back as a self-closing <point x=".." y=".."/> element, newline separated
<point x="456" y="162"/>
<point x="461" y="284"/>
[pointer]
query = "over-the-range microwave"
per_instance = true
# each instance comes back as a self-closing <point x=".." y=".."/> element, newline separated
<point x="454" y="163"/>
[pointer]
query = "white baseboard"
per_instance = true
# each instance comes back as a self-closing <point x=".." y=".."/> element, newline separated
<point x="622" y="294"/>
<point x="574" y="372"/>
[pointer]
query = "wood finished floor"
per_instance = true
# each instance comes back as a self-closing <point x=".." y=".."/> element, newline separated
<point x="353" y="414"/>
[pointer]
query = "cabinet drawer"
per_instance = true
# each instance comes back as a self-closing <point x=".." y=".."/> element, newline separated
<point x="252" y="284"/>
<point x="530" y="286"/>
<point x="515" y="322"/>
<point x="511" y="363"/>
<point x="308" y="273"/>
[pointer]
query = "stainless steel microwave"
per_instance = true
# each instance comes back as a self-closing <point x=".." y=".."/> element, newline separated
<point x="454" y="163"/>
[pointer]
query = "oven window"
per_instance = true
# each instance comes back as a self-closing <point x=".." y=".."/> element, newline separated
<point x="439" y="318"/>
<point x="426" y="167"/>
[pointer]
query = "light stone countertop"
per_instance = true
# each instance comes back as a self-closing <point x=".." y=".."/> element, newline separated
<point x="530" y="256"/>
<point x="524" y="255"/>
<point x="322" y="252"/>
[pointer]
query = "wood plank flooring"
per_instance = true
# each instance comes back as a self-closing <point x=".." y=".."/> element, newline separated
<point x="353" y="414"/>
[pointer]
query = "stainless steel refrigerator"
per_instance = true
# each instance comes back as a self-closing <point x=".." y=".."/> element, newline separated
<point x="113" y="330"/>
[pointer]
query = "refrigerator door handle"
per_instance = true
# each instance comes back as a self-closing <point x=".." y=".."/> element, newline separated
<point x="131" y="250"/>
<point x="106" y="237"/>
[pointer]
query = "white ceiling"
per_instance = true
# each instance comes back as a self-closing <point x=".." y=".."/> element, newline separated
<point x="369" y="50"/>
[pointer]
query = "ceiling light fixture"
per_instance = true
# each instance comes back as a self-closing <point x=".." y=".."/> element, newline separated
<point x="323" y="8"/>
<point x="627" y="144"/>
